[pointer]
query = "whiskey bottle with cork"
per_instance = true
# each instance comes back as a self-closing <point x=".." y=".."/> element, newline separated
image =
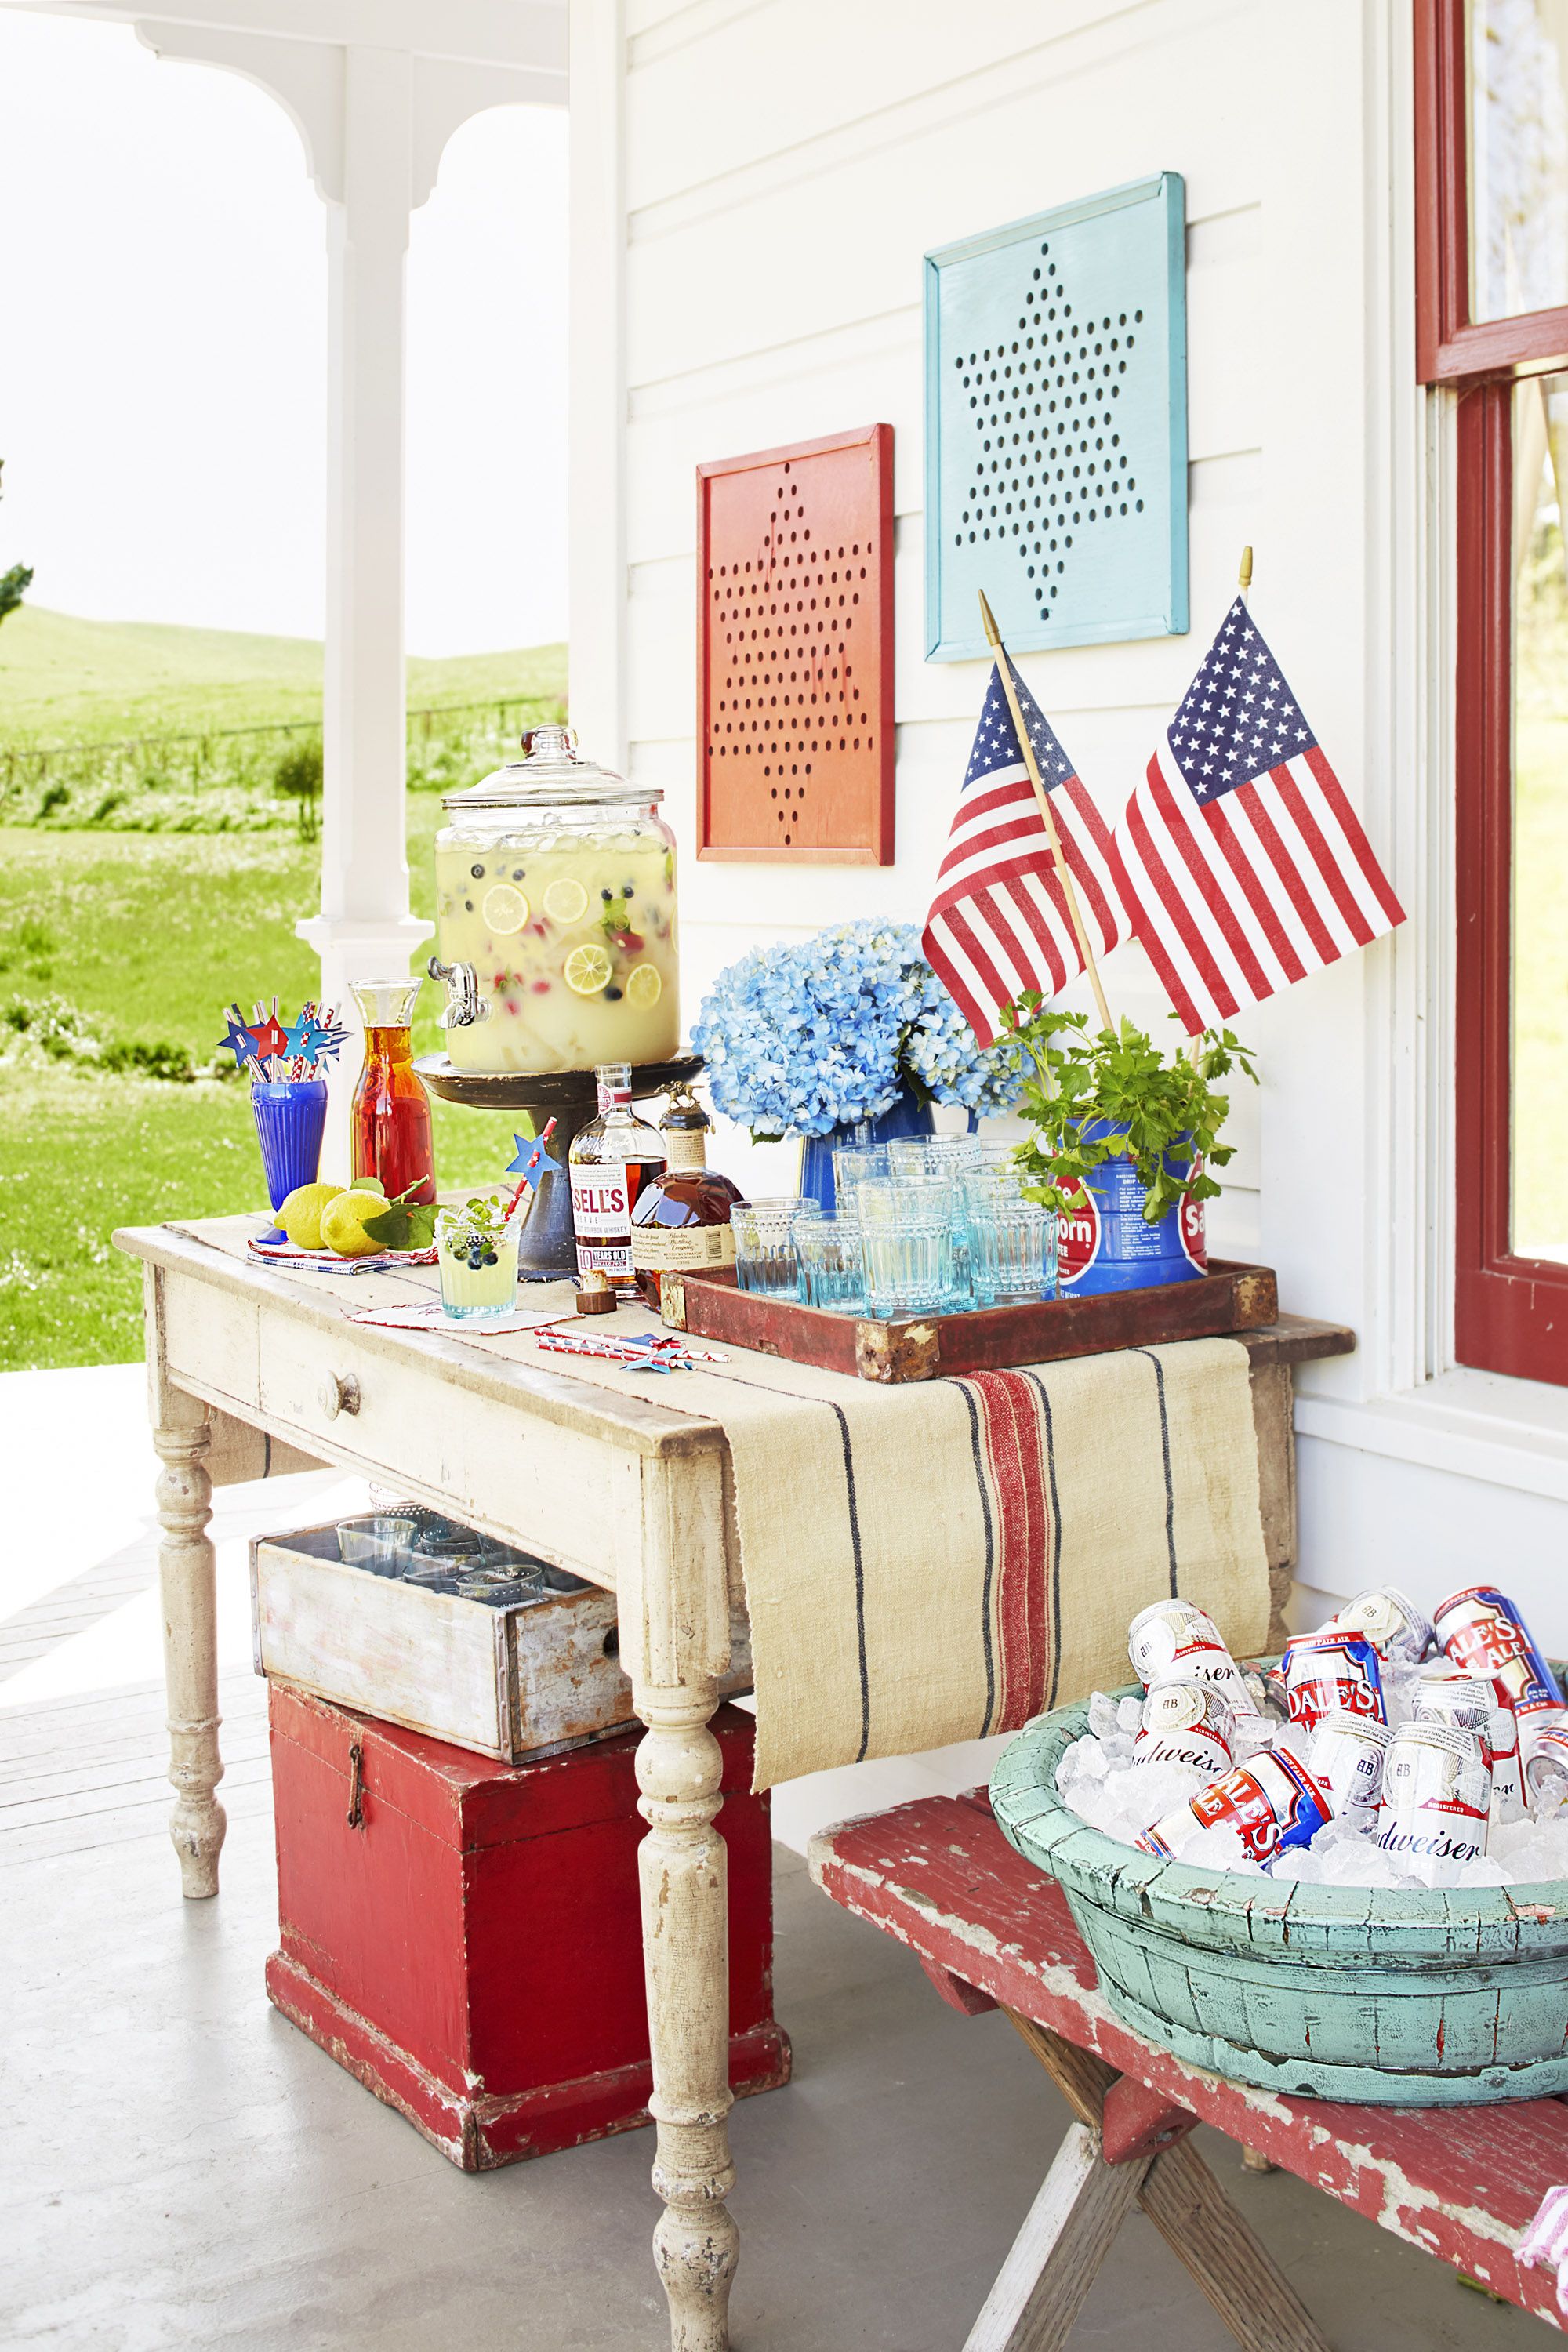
<point x="680" y="1221"/>
<point x="611" y="1161"/>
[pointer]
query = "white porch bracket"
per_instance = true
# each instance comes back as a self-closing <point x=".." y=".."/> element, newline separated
<point x="374" y="115"/>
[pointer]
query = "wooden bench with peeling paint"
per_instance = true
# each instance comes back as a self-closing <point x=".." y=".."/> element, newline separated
<point x="990" y="1930"/>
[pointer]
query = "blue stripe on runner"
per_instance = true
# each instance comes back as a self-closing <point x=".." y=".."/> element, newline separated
<point x="1166" y="1450"/>
<point x="859" y="1581"/>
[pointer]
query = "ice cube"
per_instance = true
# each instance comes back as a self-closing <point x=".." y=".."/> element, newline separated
<point x="1103" y="1717"/>
<point x="1485" y="1871"/>
<point x="1130" y="1716"/>
<point x="1217" y="1848"/>
<point x="1251" y="1734"/>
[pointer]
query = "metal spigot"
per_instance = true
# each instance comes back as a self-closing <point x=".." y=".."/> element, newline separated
<point x="465" y="1005"/>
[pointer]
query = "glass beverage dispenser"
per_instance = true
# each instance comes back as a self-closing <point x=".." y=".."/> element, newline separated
<point x="556" y="917"/>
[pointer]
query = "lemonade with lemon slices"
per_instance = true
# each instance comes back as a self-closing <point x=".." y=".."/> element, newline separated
<point x="570" y="935"/>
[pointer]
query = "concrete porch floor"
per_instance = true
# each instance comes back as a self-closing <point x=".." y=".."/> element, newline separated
<point x="182" y="2168"/>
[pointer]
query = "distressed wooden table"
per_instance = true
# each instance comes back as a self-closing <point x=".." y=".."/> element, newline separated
<point x="251" y="1370"/>
<point x="992" y="1931"/>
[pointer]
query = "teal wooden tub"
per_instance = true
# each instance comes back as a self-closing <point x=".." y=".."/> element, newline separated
<point x="1337" y="1992"/>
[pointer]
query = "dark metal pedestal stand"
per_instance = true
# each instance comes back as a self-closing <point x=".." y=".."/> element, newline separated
<point x="569" y="1097"/>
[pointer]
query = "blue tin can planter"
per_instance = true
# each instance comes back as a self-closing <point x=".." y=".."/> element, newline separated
<point x="907" y="1116"/>
<point x="1429" y="2000"/>
<point x="1110" y="1245"/>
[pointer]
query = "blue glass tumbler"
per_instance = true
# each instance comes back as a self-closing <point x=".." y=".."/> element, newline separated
<point x="291" y="1119"/>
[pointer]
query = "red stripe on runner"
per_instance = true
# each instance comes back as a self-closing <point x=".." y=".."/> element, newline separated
<point x="1190" y="852"/>
<point x="1175" y="910"/>
<point x="1010" y="1426"/>
<point x="1284" y="865"/>
<point x="1323" y="855"/>
<point x="1334" y="792"/>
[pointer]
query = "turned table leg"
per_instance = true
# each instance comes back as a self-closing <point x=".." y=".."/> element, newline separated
<point x="682" y="1864"/>
<point x="188" y="1570"/>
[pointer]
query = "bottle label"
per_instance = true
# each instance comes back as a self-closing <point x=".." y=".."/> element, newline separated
<point x="600" y="1218"/>
<point x="681" y="1249"/>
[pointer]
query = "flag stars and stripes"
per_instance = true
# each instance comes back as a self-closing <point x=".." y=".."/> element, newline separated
<point x="999" y="923"/>
<point x="1242" y="864"/>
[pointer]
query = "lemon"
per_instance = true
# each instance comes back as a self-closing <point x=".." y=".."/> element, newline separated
<point x="344" y="1223"/>
<point x="300" y="1215"/>
<point x="565" y="901"/>
<point x="644" y="986"/>
<point x="586" y="969"/>
<point x="505" y="909"/>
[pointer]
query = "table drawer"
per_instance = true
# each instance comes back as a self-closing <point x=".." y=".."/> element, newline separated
<point x="414" y="1423"/>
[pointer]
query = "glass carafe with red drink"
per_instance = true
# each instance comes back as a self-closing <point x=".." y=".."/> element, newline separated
<point x="390" y="1124"/>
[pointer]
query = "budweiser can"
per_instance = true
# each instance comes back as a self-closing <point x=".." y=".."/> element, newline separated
<point x="1546" y="1774"/>
<point x="1174" y="1642"/>
<point x="1185" y="1723"/>
<point x="1391" y="1622"/>
<point x="1483" y="1632"/>
<point x="1437" y="1795"/>
<point x="1272" y="1801"/>
<point x="1328" y="1673"/>
<point x="1470" y="1702"/>
<point x="1346" y="1759"/>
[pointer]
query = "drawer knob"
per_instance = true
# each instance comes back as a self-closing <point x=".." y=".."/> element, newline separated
<point x="339" y="1393"/>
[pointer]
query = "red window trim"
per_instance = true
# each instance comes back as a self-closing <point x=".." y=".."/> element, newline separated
<point x="1511" y="1313"/>
<point x="1450" y="347"/>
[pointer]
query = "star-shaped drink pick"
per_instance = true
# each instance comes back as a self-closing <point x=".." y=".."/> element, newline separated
<point x="312" y="1037"/>
<point x="270" y="1036"/>
<point x="240" y="1041"/>
<point x="532" y="1162"/>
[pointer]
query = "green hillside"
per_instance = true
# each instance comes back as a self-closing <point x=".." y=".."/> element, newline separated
<point x="68" y="680"/>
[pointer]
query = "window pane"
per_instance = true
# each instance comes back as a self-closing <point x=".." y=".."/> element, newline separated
<point x="1518" y="61"/>
<point x="1540" y="821"/>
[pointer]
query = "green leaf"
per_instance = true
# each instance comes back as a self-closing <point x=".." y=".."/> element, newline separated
<point x="367" y="1185"/>
<point x="407" y="1225"/>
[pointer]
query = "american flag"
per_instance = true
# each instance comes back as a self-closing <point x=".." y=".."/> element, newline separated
<point x="999" y="923"/>
<point x="1243" y="865"/>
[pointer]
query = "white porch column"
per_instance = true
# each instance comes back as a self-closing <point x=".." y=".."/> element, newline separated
<point x="364" y="930"/>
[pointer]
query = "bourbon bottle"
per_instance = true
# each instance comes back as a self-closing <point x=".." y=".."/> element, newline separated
<point x="680" y="1221"/>
<point x="610" y="1161"/>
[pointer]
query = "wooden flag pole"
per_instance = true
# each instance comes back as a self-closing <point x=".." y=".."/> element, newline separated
<point x="1075" y="915"/>
<point x="1243" y="582"/>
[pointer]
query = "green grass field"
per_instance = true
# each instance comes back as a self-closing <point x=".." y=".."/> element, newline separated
<point x="144" y="936"/>
<point x="66" y="680"/>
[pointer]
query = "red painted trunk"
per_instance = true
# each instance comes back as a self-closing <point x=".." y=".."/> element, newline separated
<point x="472" y="1949"/>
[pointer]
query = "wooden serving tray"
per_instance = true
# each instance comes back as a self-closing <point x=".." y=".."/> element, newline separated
<point x="1229" y="1297"/>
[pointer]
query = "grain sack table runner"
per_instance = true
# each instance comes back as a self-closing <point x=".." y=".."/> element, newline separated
<point x="935" y="1562"/>
<point x="941" y="1560"/>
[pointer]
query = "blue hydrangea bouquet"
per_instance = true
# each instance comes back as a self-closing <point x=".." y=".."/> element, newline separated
<point x="817" y="1036"/>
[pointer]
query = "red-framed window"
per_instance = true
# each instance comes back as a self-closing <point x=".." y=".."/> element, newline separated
<point x="1492" y="326"/>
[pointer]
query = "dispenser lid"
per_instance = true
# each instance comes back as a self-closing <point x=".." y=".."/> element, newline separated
<point x="549" y="774"/>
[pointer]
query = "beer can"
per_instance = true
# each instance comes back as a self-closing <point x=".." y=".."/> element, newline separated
<point x="1175" y="1642"/>
<point x="1391" y="1622"/>
<point x="1346" y="1759"/>
<point x="1272" y="1801"/>
<point x="1546" y="1774"/>
<point x="1446" y="1694"/>
<point x="1185" y="1723"/>
<point x="1506" y="1765"/>
<point x="1329" y="1672"/>
<point x="1482" y="1631"/>
<point x="1436" y="1796"/>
